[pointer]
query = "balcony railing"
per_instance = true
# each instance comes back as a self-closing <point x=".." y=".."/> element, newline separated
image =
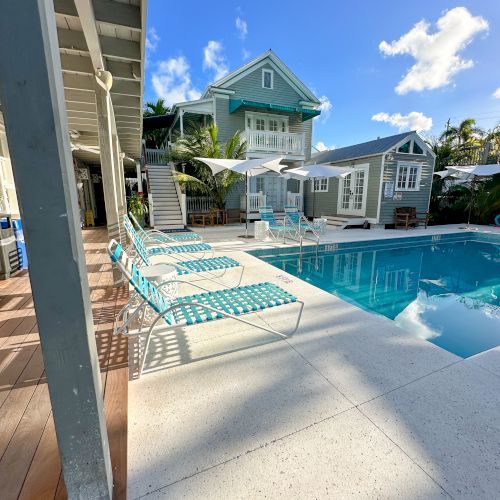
<point x="156" y="157"/>
<point x="255" y="201"/>
<point x="198" y="204"/>
<point x="274" y="142"/>
<point x="294" y="200"/>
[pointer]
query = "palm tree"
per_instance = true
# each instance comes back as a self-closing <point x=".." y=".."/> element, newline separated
<point x="155" y="138"/>
<point x="204" y="142"/>
<point x="467" y="133"/>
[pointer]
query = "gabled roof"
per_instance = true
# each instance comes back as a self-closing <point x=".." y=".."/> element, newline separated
<point x="370" y="148"/>
<point x="278" y="65"/>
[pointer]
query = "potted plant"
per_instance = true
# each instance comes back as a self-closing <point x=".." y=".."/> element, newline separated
<point x="138" y="207"/>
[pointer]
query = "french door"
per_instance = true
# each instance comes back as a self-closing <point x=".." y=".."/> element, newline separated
<point x="352" y="192"/>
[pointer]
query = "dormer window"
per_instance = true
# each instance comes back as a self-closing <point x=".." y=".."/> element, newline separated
<point x="411" y="147"/>
<point x="267" y="79"/>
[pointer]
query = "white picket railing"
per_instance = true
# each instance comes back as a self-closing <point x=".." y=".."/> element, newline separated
<point x="255" y="201"/>
<point x="294" y="199"/>
<point x="155" y="157"/>
<point x="274" y="142"/>
<point x="198" y="204"/>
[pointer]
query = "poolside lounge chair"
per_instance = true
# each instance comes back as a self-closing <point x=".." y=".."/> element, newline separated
<point x="191" y="309"/>
<point x="296" y="217"/>
<point x="164" y="248"/>
<point x="277" y="228"/>
<point x="183" y="267"/>
<point x="156" y="236"/>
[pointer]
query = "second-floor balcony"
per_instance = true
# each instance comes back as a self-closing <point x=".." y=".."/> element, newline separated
<point x="265" y="141"/>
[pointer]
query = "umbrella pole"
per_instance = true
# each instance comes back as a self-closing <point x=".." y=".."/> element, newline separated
<point x="471" y="201"/>
<point x="246" y="235"/>
<point x="314" y="197"/>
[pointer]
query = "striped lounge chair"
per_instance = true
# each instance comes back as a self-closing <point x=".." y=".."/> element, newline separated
<point x="165" y="248"/>
<point x="154" y="236"/>
<point x="296" y="218"/>
<point x="193" y="309"/>
<point x="277" y="229"/>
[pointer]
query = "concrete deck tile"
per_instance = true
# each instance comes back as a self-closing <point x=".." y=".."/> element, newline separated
<point x="343" y="457"/>
<point x="198" y="415"/>
<point x="489" y="360"/>
<point x="449" y="424"/>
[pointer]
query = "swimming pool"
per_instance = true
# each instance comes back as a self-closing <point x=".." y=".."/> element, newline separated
<point x="445" y="289"/>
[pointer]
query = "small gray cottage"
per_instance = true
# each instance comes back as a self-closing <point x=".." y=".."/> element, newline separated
<point x="391" y="172"/>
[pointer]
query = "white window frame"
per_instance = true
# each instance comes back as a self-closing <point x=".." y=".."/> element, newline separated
<point x="271" y="72"/>
<point x="252" y="116"/>
<point x="407" y="164"/>
<point x="323" y="187"/>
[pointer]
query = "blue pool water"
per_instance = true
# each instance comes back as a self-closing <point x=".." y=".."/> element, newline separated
<point x="447" y="292"/>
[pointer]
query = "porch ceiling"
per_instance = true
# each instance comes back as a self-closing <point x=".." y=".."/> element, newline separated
<point x="120" y="28"/>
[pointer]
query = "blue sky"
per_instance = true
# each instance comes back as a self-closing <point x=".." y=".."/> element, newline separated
<point x="335" y="48"/>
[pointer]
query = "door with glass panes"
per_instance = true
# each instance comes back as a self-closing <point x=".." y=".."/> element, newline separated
<point x="352" y="192"/>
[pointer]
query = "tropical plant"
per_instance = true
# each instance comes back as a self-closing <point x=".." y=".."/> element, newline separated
<point x="155" y="138"/>
<point x="466" y="133"/>
<point x="197" y="177"/>
<point x="137" y="205"/>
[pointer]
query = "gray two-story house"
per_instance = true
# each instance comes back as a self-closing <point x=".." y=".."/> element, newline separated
<point x="273" y="110"/>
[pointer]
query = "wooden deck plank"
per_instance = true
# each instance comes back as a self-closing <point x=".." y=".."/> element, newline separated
<point x="29" y="457"/>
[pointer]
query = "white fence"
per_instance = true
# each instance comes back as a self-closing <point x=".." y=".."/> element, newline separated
<point x="198" y="204"/>
<point x="156" y="157"/>
<point x="255" y="201"/>
<point x="275" y="142"/>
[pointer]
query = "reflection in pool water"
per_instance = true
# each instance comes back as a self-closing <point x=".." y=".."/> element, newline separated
<point x="447" y="293"/>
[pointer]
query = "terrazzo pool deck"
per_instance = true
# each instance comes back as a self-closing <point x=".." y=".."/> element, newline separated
<point x="350" y="406"/>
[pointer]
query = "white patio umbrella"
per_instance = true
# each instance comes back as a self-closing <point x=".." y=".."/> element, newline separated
<point x="318" y="171"/>
<point x="250" y="168"/>
<point x="469" y="173"/>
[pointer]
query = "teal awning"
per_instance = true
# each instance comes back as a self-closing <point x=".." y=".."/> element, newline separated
<point x="306" y="113"/>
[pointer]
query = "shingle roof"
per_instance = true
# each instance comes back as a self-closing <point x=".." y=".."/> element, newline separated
<point x="378" y="146"/>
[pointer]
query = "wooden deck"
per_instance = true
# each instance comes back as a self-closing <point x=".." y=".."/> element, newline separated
<point x="29" y="458"/>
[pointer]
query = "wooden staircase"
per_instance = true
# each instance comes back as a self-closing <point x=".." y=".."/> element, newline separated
<point x="167" y="212"/>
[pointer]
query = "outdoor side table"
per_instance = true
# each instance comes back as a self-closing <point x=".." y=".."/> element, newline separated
<point x="200" y="218"/>
<point x="158" y="273"/>
<point x="261" y="230"/>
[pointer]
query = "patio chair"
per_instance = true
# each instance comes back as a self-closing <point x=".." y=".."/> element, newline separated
<point x="164" y="248"/>
<point x="277" y="228"/>
<point x="156" y="236"/>
<point x="192" y="309"/>
<point x="185" y="267"/>
<point x="293" y="214"/>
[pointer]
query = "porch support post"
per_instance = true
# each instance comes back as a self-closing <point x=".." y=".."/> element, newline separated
<point x="301" y="192"/>
<point x="118" y="157"/>
<point x="139" y="176"/>
<point x="110" y="170"/>
<point x="181" y="121"/>
<point x="46" y="187"/>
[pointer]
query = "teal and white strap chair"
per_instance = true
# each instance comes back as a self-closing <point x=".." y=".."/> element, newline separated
<point x="165" y="248"/>
<point x="277" y="229"/>
<point x="191" y="309"/>
<point x="214" y="267"/>
<point x="154" y="236"/>
<point x="297" y="219"/>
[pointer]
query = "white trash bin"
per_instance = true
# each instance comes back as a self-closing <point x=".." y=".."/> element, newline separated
<point x="261" y="230"/>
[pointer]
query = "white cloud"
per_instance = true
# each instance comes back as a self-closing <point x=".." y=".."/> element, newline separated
<point x="242" y="27"/>
<point x="172" y="81"/>
<point x="152" y="40"/>
<point x="321" y="146"/>
<point x="245" y="54"/>
<point x="214" y="59"/>
<point x="325" y="108"/>
<point x="436" y="55"/>
<point x="496" y="94"/>
<point x="412" y="121"/>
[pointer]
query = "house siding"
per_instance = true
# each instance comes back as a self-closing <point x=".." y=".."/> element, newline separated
<point x="419" y="199"/>
<point x="250" y="87"/>
<point x="326" y="203"/>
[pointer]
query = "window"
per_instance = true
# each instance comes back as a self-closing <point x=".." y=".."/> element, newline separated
<point x="260" y="124"/>
<point x="417" y="150"/>
<point x="259" y="183"/>
<point x="408" y="177"/>
<point x="411" y="147"/>
<point x="273" y="125"/>
<point x="405" y="148"/>
<point x="266" y="121"/>
<point x="267" y="78"/>
<point x="319" y="185"/>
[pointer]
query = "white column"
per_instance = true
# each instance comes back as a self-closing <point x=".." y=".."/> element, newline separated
<point x="181" y="122"/>
<point x="139" y="176"/>
<point x="46" y="187"/>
